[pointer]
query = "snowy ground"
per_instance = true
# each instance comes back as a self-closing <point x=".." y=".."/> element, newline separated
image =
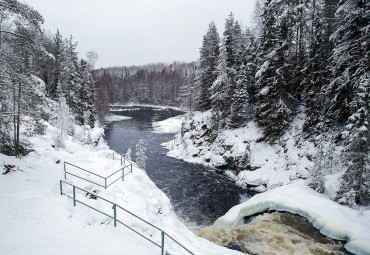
<point x="333" y="220"/>
<point x="36" y="219"/>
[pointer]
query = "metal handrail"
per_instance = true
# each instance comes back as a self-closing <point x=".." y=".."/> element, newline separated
<point x="114" y="217"/>
<point x="123" y="159"/>
<point x="81" y="169"/>
<point x="106" y="185"/>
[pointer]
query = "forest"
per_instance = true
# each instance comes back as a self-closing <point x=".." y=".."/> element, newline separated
<point x="308" y="57"/>
<point x="41" y="78"/>
<point x="154" y="84"/>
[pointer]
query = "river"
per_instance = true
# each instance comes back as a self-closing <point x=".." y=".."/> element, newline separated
<point x="199" y="194"/>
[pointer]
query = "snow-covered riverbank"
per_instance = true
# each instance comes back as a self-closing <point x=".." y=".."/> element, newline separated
<point x="36" y="219"/>
<point x="256" y="164"/>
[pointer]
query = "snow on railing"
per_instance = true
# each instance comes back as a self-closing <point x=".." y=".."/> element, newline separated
<point x="116" y="208"/>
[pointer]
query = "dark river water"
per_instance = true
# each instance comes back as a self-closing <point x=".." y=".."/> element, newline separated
<point x="199" y="194"/>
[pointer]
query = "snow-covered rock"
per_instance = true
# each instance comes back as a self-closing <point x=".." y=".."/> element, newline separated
<point x="255" y="163"/>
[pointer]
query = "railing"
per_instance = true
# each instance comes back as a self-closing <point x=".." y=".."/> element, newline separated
<point x="106" y="181"/>
<point x="121" y="157"/>
<point x="115" y="220"/>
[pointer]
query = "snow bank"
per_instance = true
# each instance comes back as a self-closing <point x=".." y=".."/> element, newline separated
<point x="156" y="107"/>
<point x="332" y="219"/>
<point x="170" y="125"/>
<point x="36" y="219"/>
<point x="113" y="118"/>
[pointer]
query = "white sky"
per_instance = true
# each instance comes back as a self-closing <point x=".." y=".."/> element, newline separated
<point x="135" y="32"/>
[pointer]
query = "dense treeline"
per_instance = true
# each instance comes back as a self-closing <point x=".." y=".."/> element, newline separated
<point x="156" y="84"/>
<point x="310" y="56"/>
<point x="29" y="55"/>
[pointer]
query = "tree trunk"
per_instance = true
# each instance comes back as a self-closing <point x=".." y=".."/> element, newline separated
<point x="14" y="120"/>
<point x="18" y="119"/>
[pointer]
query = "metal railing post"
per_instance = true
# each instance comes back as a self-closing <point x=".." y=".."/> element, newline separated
<point x="131" y="167"/>
<point x="61" y="189"/>
<point x="74" y="195"/>
<point x="123" y="174"/>
<point x="115" y="215"/>
<point x="105" y="183"/>
<point x="163" y="234"/>
<point x="162" y="243"/>
<point x="65" y="172"/>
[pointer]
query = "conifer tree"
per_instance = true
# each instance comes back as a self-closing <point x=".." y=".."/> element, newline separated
<point x="275" y="104"/>
<point x="59" y="50"/>
<point x="316" y="72"/>
<point x="350" y="58"/>
<point x="140" y="154"/>
<point x="351" y="96"/>
<point x="186" y="92"/>
<point x="223" y="87"/>
<point x="206" y="69"/>
<point x="71" y="85"/>
<point x="317" y="172"/>
<point x="241" y="109"/>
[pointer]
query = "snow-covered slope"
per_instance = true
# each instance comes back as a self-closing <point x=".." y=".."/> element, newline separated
<point x="269" y="165"/>
<point x="36" y="219"/>
<point x="334" y="220"/>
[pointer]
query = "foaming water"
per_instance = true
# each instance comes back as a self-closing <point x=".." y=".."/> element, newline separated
<point x="277" y="233"/>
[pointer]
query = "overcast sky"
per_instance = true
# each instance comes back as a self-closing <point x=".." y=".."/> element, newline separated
<point x="135" y="32"/>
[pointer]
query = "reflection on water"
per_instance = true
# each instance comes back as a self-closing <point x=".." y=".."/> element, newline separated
<point x="199" y="195"/>
<point x="276" y="233"/>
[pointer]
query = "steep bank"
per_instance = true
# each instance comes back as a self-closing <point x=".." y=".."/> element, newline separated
<point x="252" y="163"/>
